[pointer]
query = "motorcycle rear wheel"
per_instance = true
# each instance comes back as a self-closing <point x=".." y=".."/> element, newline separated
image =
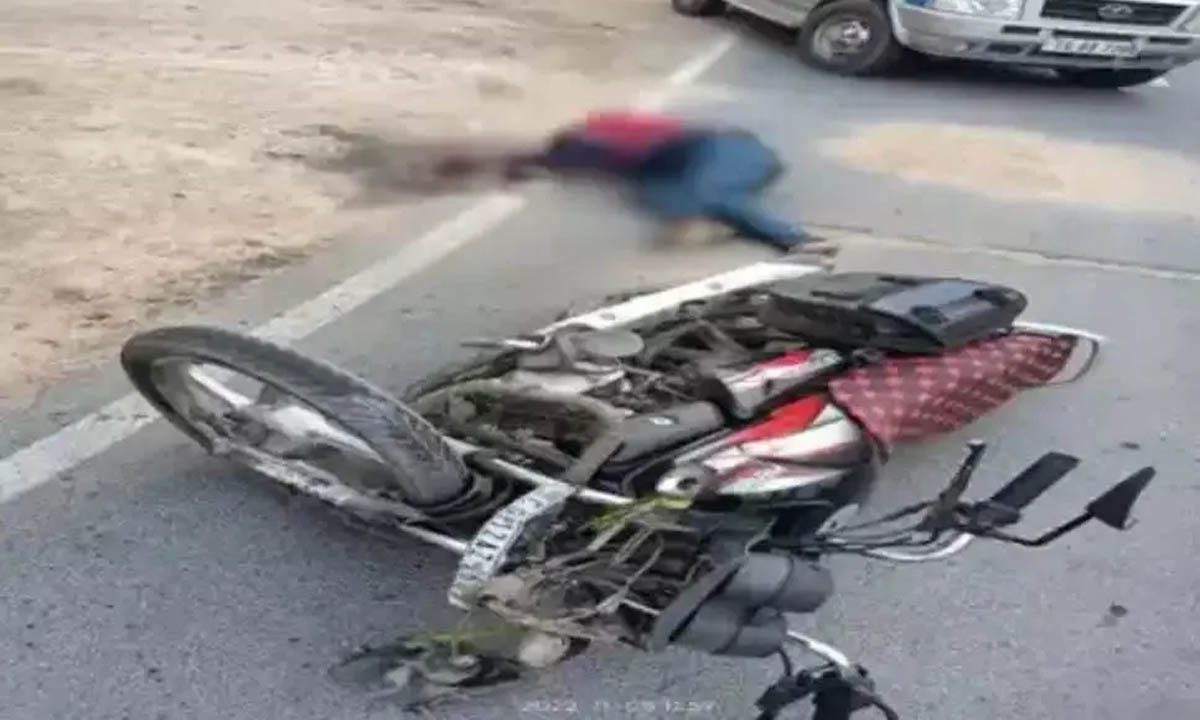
<point x="302" y="404"/>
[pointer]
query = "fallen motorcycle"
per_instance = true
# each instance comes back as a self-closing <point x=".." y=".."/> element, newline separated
<point x="669" y="468"/>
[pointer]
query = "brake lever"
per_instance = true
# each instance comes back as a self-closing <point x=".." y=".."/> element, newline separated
<point x="940" y="516"/>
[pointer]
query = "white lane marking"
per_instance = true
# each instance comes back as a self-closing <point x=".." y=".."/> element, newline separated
<point x="690" y="71"/>
<point x="685" y="75"/>
<point x="96" y="432"/>
<point x="88" y="436"/>
<point x="1160" y="82"/>
<point x="343" y="298"/>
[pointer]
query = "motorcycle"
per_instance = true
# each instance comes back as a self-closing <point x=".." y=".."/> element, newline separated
<point x="666" y="469"/>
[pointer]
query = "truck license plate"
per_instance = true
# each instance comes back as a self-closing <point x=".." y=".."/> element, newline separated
<point x="1083" y="46"/>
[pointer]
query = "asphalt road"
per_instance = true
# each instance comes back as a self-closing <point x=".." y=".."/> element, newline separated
<point x="155" y="583"/>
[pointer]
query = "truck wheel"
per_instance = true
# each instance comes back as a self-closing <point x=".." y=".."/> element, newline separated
<point x="850" y="37"/>
<point x="698" y="8"/>
<point x="1110" y="78"/>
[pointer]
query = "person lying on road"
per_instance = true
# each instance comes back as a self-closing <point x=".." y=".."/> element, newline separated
<point x="677" y="171"/>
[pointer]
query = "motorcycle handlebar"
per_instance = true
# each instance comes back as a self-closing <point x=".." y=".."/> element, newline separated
<point x="943" y="519"/>
<point x="1004" y="506"/>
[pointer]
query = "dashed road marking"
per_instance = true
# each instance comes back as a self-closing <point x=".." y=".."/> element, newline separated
<point x="96" y="432"/>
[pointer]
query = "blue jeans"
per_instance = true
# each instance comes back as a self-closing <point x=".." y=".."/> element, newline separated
<point x="713" y="174"/>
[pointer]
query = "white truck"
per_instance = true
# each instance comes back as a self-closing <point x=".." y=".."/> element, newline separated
<point x="1098" y="43"/>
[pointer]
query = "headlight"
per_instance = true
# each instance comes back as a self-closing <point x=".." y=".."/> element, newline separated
<point x="1193" y="25"/>
<point x="1000" y="9"/>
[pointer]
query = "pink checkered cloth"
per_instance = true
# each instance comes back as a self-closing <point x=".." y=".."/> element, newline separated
<point x="910" y="397"/>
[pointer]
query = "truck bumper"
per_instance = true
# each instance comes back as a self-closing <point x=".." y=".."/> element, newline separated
<point x="1020" y="41"/>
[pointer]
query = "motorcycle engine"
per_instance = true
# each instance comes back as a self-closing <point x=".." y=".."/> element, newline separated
<point x="751" y="425"/>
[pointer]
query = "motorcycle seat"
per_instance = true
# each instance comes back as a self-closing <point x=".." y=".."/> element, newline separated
<point x="897" y="313"/>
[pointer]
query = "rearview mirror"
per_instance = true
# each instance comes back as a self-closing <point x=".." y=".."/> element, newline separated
<point x="1113" y="507"/>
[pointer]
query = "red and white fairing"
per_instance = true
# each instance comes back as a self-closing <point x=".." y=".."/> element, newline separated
<point x="806" y="442"/>
<point x="820" y="437"/>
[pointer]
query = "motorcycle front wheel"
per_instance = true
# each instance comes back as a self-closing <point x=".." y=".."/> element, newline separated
<point x="296" y="419"/>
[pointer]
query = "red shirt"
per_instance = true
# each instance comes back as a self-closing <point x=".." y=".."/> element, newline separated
<point x="629" y="133"/>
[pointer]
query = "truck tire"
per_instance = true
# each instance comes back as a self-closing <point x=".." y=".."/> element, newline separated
<point x="1110" y="78"/>
<point x="850" y="37"/>
<point x="698" y="8"/>
<point x="425" y="469"/>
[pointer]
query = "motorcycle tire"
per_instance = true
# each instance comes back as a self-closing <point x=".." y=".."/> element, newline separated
<point x="426" y="471"/>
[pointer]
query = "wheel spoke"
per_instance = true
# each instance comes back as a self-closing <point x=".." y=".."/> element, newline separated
<point x="283" y="437"/>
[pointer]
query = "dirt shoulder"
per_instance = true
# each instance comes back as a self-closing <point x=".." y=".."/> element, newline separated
<point x="148" y="157"/>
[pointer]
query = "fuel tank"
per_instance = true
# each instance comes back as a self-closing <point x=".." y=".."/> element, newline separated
<point x="796" y="452"/>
